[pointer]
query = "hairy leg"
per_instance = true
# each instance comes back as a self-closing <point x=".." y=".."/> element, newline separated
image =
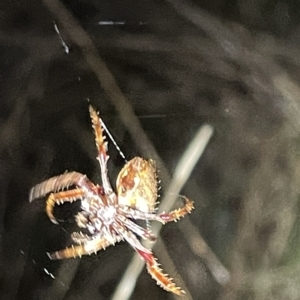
<point x="102" y="155"/>
<point x="176" y="214"/>
<point x="61" y="182"/>
<point x="81" y="238"/>
<point x="163" y="217"/>
<point x="152" y="266"/>
<point x="156" y="273"/>
<point x="59" y="198"/>
<point x="89" y="247"/>
<point x="138" y="230"/>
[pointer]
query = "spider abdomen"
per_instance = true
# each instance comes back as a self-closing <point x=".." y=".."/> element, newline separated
<point x="137" y="184"/>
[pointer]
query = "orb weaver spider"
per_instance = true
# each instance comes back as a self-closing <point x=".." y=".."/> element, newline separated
<point x="108" y="215"/>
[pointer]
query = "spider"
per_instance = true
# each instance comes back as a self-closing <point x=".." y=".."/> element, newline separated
<point x="108" y="215"/>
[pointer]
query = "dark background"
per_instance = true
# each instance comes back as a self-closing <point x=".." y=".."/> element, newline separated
<point x="177" y="65"/>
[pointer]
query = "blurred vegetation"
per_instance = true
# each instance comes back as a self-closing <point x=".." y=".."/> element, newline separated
<point x="157" y="71"/>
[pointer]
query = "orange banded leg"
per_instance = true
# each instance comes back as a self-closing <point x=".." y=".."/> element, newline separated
<point x="102" y="153"/>
<point x="163" y="217"/>
<point x="81" y="238"/>
<point x="99" y="139"/>
<point x="85" y="249"/>
<point x="59" y="198"/>
<point x="163" y="280"/>
<point x="178" y="213"/>
<point x="152" y="266"/>
<point x="60" y="182"/>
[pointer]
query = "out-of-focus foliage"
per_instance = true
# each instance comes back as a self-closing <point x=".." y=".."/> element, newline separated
<point x="178" y="65"/>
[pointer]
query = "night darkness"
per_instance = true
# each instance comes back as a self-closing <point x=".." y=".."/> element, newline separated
<point x="157" y="71"/>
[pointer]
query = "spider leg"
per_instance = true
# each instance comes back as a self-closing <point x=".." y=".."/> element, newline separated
<point x="102" y="154"/>
<point x="157" y="273"/>
<point x="82" y="219"/>
<point x="81" y="238"/>
<point x="60" y="182"/>
<point x="178" y="213"/>
<point x="140" y="231"/>
<point x="136" y="214"/>
<point x="163" y="217"/>
<point x="152" y="266"/>
<point x="59" y="198"/>
<point x="89" y="247"/>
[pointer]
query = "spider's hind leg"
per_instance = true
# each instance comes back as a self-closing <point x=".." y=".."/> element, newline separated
<point x="153" y="268"/>
<point x="163" y="280"/>
<point x="89" y="247"/>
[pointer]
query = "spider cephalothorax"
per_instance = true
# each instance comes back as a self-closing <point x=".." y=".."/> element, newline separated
<point x="107" y="215"/>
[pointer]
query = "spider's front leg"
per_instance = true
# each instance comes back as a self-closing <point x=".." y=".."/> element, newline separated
<point x="60" y="182"/>
<point x="87" y="248"/>
<point x="56" y="184"/>
<point x="59" y="198"/>
<point x="102" y="155"/>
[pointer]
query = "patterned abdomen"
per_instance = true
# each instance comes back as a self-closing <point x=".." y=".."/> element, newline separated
<point x="137" y="184"/>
